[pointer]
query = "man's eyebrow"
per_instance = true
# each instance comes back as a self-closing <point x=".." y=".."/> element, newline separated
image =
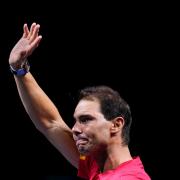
<point x="83" y="116"/>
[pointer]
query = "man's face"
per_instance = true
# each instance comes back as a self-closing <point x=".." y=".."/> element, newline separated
<point x="91" y="130"/>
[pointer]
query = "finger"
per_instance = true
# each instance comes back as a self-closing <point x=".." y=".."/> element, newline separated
<point x="34" y="44"/>
<point x="34" y="34"/>
<point x="36" y="41"/>
<point x="31" y="30"/>
<point x="25" y="30"/>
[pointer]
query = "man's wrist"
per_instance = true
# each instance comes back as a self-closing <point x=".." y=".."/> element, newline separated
<point x="22" y="70"/>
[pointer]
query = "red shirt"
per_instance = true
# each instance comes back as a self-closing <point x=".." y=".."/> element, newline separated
<point x="130" y="170"/>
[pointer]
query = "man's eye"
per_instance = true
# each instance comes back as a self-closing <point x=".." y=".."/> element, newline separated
<point x="85" y="120"/>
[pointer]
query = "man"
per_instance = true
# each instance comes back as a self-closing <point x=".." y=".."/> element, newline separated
<point x="97" y="145"/>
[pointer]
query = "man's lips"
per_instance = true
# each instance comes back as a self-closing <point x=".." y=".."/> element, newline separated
<point x="81" y="141"/>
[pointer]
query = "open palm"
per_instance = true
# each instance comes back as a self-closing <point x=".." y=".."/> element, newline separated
<point x="26" y="45"/>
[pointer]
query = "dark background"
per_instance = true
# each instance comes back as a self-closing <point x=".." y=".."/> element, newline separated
<point x="133" y="52"/>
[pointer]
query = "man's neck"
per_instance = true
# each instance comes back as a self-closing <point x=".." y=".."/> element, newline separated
<point x="114" y="155"/>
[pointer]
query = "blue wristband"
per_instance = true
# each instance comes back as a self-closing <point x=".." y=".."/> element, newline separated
<point x="22" y="71"/>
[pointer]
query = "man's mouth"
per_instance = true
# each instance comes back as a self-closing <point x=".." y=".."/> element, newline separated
<point x="82" y="141"/>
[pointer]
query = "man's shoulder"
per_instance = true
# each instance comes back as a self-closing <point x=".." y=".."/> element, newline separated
<point x="129" y="170"/>
<point x="132" y="170"/>
<point x="135" y="176"/>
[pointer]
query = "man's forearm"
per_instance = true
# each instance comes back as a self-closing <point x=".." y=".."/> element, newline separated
<point x="40" y="108"/>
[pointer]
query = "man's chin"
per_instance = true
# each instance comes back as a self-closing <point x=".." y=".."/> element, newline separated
<point x="84" y="151"/>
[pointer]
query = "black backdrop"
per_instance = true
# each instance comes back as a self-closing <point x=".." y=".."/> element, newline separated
<point x="127" y="52"/>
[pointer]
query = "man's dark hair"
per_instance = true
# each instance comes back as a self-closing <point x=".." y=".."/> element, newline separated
<point x="111" y="106"/>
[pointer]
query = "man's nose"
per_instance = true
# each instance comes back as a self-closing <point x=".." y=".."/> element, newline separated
<point x="77" y="129"/>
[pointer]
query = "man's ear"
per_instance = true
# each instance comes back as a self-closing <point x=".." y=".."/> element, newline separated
<point x="117" y="125"/>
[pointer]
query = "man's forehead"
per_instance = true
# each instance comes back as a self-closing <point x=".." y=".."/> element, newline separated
<point x="86" y="107"/>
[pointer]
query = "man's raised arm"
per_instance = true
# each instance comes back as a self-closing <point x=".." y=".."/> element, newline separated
<point x="39" y="107"/>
